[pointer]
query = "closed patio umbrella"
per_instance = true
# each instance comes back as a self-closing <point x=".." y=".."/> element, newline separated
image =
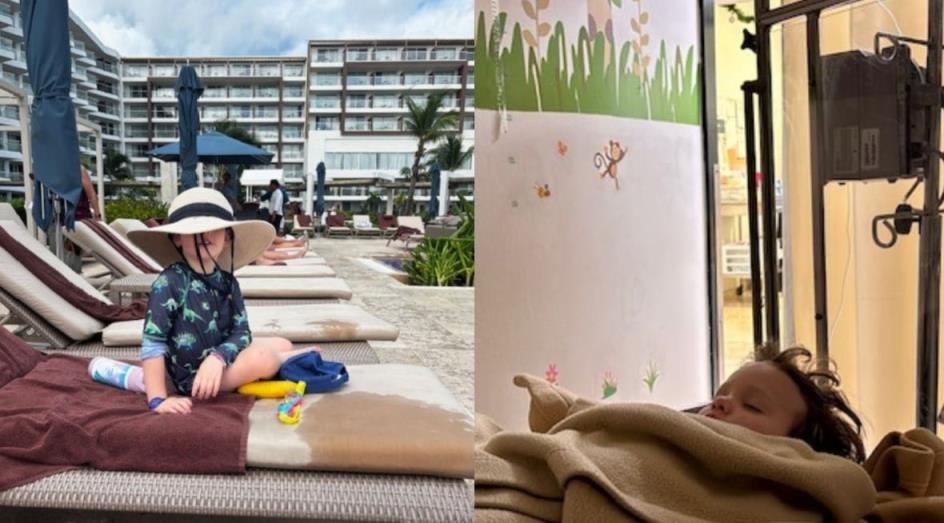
<point x="188" y="89"/>
<point x="319" y="201"/>
<point x="53" y="133"/>
<point x="434" y="189"/>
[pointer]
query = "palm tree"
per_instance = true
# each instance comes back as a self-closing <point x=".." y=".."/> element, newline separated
<point x="236" y="132"/>
<point x="427" y="123"/>
<point x="449" y="154"/>
<point x="115" y="164"/>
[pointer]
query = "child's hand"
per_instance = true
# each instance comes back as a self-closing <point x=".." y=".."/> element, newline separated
<point x="175" y="405"/>
<point x="207" y="382"/>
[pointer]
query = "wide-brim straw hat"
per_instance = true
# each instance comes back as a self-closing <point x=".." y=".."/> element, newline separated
<point x="200" y="210"/>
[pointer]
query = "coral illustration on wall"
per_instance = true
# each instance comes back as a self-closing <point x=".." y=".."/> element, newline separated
<point x="551" y="374"/>
<point x="607" y="161"/>
<point x="609" y="384"/>
<point x="541" y="71"/>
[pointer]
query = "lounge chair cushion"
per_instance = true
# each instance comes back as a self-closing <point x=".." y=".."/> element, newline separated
<point x="125" y="225"/>
<point x="299" y="323"/>
<point x="7" y="212"/>
<point x="268" y="288"/>
<point x="86" y="238"/>
<point x="24" y="286"/>
<point x="361" y="428"/>
<point x="312" y="270"/>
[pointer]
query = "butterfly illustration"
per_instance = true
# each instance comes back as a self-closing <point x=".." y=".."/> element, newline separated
<point x="543" y="191"/>
<point x="561" y="148"/>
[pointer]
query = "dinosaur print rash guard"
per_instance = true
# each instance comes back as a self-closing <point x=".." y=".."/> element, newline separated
<point x="189" y="317"/>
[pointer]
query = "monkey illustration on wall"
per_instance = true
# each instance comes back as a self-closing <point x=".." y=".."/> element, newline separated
<point x="612" y="155"/>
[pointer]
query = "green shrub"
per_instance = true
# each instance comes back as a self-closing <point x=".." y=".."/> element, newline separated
<point x="446" y="261"/>
<point x="137" y="209"/>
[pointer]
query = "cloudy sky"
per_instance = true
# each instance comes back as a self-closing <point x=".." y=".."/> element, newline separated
<point x="263" y="27"/>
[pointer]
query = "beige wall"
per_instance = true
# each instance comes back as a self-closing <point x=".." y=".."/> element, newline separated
<point x="871" y="291"/>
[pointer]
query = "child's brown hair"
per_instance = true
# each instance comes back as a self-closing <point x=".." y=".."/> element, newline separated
<point x="831" y="425"/>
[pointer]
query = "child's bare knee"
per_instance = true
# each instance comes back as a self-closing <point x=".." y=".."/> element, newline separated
<point x="282" y="344"/>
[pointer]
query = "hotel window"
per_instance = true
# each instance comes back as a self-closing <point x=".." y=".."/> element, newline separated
<point x="214" y="92"/>
<point x="293" y="70"/>
<point x="266" y="111"/>
<point x="327" y="55"/>
<point x="414" y="53"/>
<point x="294" y="170"/>
<point x="240" y="111"/>
<point x="444" y="53"/>
<point x="137" y="150"/>
<point x="394" y="161"/>
<point x="267" y="69"/>
<point x="240" y="91"/>
<point x="291" y="152"/>
<point x="132" y="111"/>
<point x="165" y="130"/>
<point x="387" y="78"/>
<point x="358" y="54"/>
<point x="267" y="91"/>
<point x="467" y="54"/>
<point x="355" y="123"/>
<point x="140" y="171"/>
<point x="470" y="79"/>
<point x="136" y="91"/>
<point x="293" y="111"/>
<point x="131" y="70"/>
<point x="291" y="131"/>
<point x="266" y="132"/>
<point x="136" y="131"/>
<point x="240" y="69"/>
<point x="358" y="79"/>
<point x="387" y="54"/>
<point x="386" y="101"/>
<point x="164" y="111"/>
<point x="357" y="101"/>
<point x="293" y="91"/>
<point x="386" y="123"/>
<point x="326" y="101"/>
<point x="215" y="70"/>
<point x="216" y="112"/>
<point x="163" y="92"/>
<point x="105" y="87"/>
<point x="415" y="79"/>
<point x="325" y="79"/>
<point x="327" y="123"/>
<point x="468" y="123"/>
<point x="10" y="112"/>
<point x="445" y="78"/>
<point x="272" y="148"/>
<point x="165" y="70"/>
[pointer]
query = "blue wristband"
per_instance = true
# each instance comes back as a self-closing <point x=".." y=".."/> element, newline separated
<point x="155" y="402"/>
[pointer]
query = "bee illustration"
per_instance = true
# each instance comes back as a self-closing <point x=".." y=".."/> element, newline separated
<point x="608" y="160"/>
<point x="561" y="148"/>
<point x="543" y="191"/>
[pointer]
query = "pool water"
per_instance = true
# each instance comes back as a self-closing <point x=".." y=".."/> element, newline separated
<point x="394" y="263"/>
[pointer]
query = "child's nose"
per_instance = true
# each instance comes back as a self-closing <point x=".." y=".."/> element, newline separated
<point x="722" y="404"/>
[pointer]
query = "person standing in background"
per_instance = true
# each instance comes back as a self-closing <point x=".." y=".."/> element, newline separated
<point x="276" y="205"/>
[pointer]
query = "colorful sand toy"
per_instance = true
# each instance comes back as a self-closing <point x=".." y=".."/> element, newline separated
<point x="290" y="409"/>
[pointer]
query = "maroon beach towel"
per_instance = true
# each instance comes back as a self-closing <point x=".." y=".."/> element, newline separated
<point x="65" y="288"/>
<point x="53" y="417"/>
<point x="109" y="237"/>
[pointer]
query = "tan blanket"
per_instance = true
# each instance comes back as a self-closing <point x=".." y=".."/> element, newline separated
<point x="637" y="462"/>
<point x="908" y="472"/>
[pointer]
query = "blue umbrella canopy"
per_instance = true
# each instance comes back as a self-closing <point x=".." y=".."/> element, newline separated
<point x="434" y="188"/>
<point x="319" y="200"/>
<point x="188" y="89"/>
<point x="53" y="133"/>
<point x="216" y="148"/>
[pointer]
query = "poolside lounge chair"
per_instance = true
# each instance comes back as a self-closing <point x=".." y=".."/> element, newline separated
<point x="335" y="226"/>
<point x="299" y="323"/>
<point x="364" y="227"/>
<point x="302" y="224"/>
<point x="139" y="262"/>
<point x="387" y="223"/>
<point x="409" y="228"/>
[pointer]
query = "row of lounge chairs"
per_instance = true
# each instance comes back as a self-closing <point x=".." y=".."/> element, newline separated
<point x="303" y="301"/>
<point x="404" y="228"/>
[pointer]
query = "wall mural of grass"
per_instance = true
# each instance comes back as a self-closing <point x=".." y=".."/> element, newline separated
<point x="586" y="76"/>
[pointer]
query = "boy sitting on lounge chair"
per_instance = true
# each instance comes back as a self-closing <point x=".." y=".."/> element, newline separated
<point x="196" y="328"/>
